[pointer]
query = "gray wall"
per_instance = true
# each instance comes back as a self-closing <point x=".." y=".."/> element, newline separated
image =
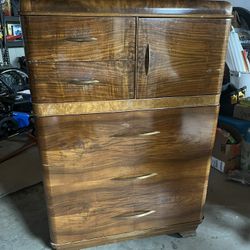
<point x="241" y="3"/>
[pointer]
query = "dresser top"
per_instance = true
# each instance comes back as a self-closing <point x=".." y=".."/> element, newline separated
<point x="197" y="8"/>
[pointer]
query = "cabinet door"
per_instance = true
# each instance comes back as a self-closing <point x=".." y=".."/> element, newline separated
<point x="180" y="56"/>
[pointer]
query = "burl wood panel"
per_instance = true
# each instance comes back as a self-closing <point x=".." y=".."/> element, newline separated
<point x="79" y="38"/>
<point x="97" y="107"/>
<point x="121" y="7"/>
<point x="180" y="57"/>
<point x="118" y="175"/>
<point x="82" y="81"/>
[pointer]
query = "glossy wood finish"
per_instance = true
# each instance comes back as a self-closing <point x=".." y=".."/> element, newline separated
<point x="79" y="38"/>
<point x="75" y="108"/>
<point x="129" y="7"/>
<point x="117" y="168"/>
<point x="185" y="56"/>
<point x="81" y="81"/>
<point x="126" y="96"/>
<point x="127" y="236"/>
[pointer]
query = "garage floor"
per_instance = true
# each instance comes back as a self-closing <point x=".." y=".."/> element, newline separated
<point x="23" y="222"/>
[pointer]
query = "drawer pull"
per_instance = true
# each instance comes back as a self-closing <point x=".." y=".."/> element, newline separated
<point x="81" y="39"/>
<point x="136" y="215"/>
<point x="150" y="133"/>
<point x="141" y="177"/>
<point x="147" y="60"/>
<point x="83" y="82"/>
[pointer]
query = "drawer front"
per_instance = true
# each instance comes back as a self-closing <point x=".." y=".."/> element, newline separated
<point x="180" y="57"/>
<point x="125" y="172"/>
<point x="95" y="209"/>
<point x="82" y="81"/>
<point x="79" y="38"/>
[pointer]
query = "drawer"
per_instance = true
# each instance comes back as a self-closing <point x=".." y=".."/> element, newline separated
<point x="78" y="221"/>
<point x="79" y="38"/>
<point x="97" y="209"/>
<point x="125" y="172"/>
<point x="82" y="81"/>
<point x="126" y="137"/>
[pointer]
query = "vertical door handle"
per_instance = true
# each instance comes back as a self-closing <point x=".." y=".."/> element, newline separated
<point x="147" y="59"/>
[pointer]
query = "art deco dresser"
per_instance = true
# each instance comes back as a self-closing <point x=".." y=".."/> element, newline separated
<point x="126" y="97"/>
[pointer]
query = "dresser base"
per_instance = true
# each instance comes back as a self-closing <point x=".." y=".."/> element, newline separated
<point x="181" y="229"/>
<point x="187" y="234"/>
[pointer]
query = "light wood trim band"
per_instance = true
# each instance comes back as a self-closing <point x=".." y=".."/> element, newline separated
<point x="76" y="108"/>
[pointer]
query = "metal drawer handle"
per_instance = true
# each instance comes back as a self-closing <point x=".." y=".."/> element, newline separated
<point x="81" y="39"/>
<point x="138" y="214"/>
<point x="83" y="82"/>
<point x="141" y="177"/>
<point x="150" y="133"/>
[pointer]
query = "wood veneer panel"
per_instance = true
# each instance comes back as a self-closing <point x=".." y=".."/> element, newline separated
<point x="126" y="236"/>
<point x="110" y="174"/>
<point x="92" y="164"/>
<point x="74" y="108"/>
<point x="79" y="38"/>
<point x="180" y="57"/>
<point x="82" y="81"/>
<point x="121" y="7"/>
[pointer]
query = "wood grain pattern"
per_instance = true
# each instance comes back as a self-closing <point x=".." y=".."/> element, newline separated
<point x="121" y="7"/>
<point x="89" y="153"/>
<point x="127" y="236"/>
<point x="74" y="108"/>
<point x="126" y="97"/>
<point x="186" y="57"/>
<point x="81" y="81"/>
<point x="79" y="38"/>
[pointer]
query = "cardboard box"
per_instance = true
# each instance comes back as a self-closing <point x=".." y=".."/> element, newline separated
<point x="226" y="156"/>
<point x="21" y="171"/>
<point x="242" y="112"/>
<point x="245" y="155"/>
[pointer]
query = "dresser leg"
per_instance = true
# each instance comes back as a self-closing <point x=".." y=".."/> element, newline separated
<point x="186" y="234"/>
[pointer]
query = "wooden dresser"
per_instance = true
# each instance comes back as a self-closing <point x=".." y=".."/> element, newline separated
<point x="126" y="97"/>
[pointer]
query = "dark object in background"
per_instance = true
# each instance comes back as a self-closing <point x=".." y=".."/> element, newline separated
<point x="242" y="18"/>
<point x="230" y="95"/>
<point x="23" y="64"/>
<point x="226" y="78"/>
<point x="13" y="79"/>
<point x="226" y="107"/>
<point x="15" y="106"/>
<point x="229" y="98"/>
<point x="242" y="22"/>
<point x="15" y="7"/>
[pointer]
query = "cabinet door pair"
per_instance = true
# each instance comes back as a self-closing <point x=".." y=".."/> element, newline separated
<point x="105" y="58"/>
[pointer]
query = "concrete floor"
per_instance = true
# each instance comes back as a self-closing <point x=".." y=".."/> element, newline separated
<point x="23" y="222"/>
